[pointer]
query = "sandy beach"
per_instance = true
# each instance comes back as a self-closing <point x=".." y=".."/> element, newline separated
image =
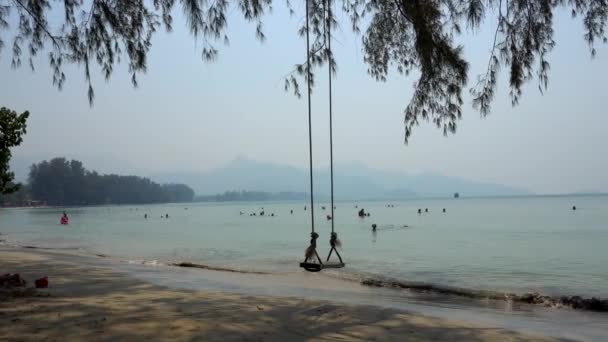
<point x="99" y="304"/>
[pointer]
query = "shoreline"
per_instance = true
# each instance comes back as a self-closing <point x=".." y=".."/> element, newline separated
<point x="501" y="298"/>
<point x="98" y="303"/>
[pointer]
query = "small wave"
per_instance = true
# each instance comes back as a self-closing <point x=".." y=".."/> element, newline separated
<point x="214" y="268"/>
<point x="51" y="248"/>
<point x="389" y="227"/>
<point x="146" y="262"/>
<point x="574" y="302"/>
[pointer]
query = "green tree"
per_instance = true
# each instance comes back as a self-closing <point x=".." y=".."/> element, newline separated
<point x="12" y="128"/>
<point x="406" y="35"/>
<point x="178" y="193"/>
<point x="48" y="181"/>
<point x="63" y="182"/>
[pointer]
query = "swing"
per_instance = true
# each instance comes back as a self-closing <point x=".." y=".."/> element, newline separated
<point x="312" y="261"/>
<point x="310" y="254"/>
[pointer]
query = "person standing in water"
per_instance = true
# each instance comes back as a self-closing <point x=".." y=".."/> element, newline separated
<point x="374" y="233"/>
<point x="64" y="218"/>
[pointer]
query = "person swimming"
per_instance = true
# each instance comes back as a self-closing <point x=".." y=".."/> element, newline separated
<point x="145" y="216"/>
<point x="361" y="213"/>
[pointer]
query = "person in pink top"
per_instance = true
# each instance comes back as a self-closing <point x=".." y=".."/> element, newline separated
<point x="64" y="218"/>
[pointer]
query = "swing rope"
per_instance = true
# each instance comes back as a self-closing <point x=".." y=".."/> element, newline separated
<point x="331" y="135"/>
<point x="312" y="203"/>
<point x="333" y="240"/>
<point x="311" y="251"/>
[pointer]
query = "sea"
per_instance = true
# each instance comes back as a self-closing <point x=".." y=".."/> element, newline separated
<point x="448" y="257"/>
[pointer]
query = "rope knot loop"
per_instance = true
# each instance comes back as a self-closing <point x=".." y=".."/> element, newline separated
<point x="313" y="239"/>
<point x="312" y="249"/>
<point x="333" y="240"/>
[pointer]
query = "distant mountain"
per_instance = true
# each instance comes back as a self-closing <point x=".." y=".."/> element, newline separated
<point x="352" y="181"/>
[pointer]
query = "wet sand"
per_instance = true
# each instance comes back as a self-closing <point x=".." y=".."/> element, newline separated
<point x="96" y="303"/>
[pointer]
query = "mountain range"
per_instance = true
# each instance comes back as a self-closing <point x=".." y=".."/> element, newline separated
<point x="351" y="181"/>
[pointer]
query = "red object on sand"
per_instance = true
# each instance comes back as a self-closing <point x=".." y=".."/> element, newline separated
<point x="42" y="283"/>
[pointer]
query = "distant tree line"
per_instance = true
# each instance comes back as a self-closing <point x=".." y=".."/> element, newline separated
<point x="62" y="182"/>
<point x="231" y="196"/>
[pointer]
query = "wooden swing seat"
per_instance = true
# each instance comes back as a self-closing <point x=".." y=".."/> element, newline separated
<point x="333" y="265"/>
<point x="311" y="267"/>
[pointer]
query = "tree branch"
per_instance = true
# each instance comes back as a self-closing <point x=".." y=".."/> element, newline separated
<point x="38" y="22"/>
<point x="500" y="19"/>
<point x="402" y="3"/>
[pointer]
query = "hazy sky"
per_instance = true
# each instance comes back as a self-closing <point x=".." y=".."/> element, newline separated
<point x="188" y="115"/>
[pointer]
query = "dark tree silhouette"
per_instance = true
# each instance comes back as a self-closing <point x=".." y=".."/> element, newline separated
<point x="178" y="193"/>
<point x="12" y="128"/>
<point x="405" y="34"/>
<point x="63" y="182"/>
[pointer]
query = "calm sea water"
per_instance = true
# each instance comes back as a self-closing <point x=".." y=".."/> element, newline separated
<point x="502" y="244"/>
